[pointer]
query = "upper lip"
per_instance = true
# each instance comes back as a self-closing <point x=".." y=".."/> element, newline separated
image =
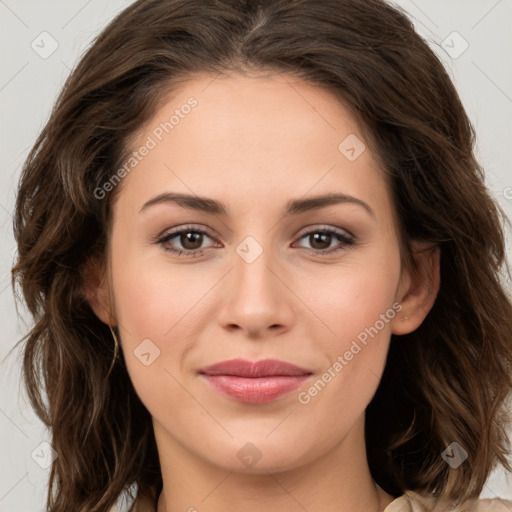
<point x="263" y="368"/>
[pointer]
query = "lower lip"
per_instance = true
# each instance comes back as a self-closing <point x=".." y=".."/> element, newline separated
<point x="255" y="390"/>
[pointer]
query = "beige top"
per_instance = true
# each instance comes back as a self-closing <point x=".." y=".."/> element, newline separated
<point x="412" y="501"/>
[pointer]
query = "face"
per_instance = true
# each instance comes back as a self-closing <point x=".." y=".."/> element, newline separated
<point x="255" y="270"/>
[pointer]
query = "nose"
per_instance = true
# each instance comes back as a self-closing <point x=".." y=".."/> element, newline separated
<point x="256" y="298"/>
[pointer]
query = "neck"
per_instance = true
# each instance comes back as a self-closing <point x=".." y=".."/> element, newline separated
<point x="337" y="481"/>
<point x="382" y="499"/>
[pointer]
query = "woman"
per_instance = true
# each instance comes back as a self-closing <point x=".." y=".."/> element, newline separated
<point x="271" y="276"/>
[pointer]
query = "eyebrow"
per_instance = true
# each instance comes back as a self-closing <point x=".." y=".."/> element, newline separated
<point x="293" y="207"/>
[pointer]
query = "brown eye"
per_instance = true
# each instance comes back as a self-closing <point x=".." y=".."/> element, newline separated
<point x="189" y="241"/>
<point x="321" y="239"/>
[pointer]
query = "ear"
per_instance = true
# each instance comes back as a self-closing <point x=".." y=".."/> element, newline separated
<point x="418" y="288"/>
<point x="96" y="290"/>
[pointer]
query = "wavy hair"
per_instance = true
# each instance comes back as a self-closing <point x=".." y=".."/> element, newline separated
<point x="446" y="382"/>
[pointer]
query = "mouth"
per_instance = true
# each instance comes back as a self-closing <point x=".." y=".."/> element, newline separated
<point x="254" y="382"/>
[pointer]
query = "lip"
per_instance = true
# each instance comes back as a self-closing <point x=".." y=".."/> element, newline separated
<point x="254" y="382"/>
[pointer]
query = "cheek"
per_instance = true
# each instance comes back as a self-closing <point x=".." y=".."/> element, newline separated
<point x="352" y="297"/>
<point x="154" y="295"/>
<point x="155" y="300"/>
<point x="356" y="305"/>
<point x="152" y="302"/>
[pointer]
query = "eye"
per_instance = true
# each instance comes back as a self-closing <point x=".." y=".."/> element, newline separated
<point x="191" y="239"/>
<point x="321" y="240"/>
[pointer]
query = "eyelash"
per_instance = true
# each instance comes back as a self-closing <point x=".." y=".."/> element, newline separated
<point x="346" y="241"/>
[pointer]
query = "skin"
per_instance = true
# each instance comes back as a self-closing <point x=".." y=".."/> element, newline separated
<point x="255" y="142"/>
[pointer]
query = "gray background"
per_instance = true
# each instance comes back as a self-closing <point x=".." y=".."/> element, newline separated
<point x="30" y="80"/>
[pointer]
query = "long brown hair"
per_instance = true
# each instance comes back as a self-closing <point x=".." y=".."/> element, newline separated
<point x="446" y="382"/>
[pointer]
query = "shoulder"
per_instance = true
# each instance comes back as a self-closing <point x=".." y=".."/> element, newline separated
<point x="412" y="501"/>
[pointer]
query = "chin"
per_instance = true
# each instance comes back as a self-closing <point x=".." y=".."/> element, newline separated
<point x="259" y="456"/>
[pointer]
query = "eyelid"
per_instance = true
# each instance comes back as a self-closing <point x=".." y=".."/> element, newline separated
<point x="313" y="228"/>
<point x="179" y="229"/>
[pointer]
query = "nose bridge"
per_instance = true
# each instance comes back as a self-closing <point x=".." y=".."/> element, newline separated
<point x="253" y="271"/>
<point x="257" y="298"/>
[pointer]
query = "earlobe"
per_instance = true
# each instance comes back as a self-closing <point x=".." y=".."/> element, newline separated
<point x="419" y="289"/>
<point x="96" y="291"/>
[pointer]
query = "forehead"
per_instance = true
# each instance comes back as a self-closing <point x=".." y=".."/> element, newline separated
<point x="264" y="105"/>
<point x="258" y="136"/>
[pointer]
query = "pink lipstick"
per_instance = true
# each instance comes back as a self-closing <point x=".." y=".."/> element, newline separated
<point x="254" y="382"/>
